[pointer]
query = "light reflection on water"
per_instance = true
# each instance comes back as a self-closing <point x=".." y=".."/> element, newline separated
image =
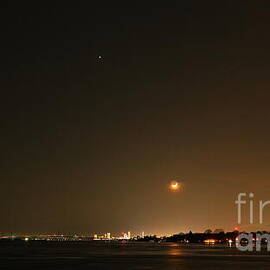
<point x="131" y="256"/>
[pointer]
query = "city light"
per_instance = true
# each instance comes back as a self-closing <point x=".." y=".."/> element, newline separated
<point x="210" y="241"/>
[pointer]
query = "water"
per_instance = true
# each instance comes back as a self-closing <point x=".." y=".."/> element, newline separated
<point x="128" y="256"/>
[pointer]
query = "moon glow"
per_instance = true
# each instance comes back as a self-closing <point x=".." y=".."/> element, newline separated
<point x="174" y="186"/>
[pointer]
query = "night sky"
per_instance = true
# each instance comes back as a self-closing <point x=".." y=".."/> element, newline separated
<point x="101" y="107"/>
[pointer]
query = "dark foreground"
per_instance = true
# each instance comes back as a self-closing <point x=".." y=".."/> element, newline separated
<point x="128" y="256"/>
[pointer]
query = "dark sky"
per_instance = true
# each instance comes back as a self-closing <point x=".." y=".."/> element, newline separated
<point x="89" y="145"/>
